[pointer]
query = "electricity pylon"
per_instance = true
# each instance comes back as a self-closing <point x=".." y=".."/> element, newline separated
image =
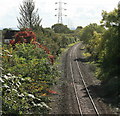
<point x="60" y="9"/>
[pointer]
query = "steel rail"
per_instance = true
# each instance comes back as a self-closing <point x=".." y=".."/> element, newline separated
<point x="91" y="99"/>
<point x="76" y="93"/>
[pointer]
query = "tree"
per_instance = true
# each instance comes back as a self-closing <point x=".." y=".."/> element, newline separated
<point x="60" y="28"/>
<point x="7" y="29"/>
<point x="110" y="19"/>
<point x="29" y="17"/>
<point x="110" y="62"/>
<point x="79" y="27"/>
<point x="88" y="32"/>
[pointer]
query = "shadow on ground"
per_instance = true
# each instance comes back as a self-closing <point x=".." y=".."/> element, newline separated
<point x="98" y="93"/>
<point x="81" y="60"/>
<point x="108" y="92"/>
<point x="101" y="92"/>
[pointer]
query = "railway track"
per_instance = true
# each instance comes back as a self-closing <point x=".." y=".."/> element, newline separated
<point x="77" y="88"/>
<point x="86" y="105"/>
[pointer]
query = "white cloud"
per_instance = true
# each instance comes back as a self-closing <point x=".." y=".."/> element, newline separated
<point x="79" y="12"/>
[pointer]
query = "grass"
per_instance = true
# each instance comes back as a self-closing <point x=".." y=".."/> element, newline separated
<point x="65" y="49"/>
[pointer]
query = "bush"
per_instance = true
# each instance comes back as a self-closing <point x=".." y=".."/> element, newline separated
<point x="31" y="76"/>
<point x="25" y="36"/>
<point x="17" y="100"/>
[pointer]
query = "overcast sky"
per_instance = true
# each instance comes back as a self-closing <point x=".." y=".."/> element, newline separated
<point x="79" y="12"/>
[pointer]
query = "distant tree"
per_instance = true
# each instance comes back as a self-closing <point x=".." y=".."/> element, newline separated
<point x="29" y="17"/>
<point x="7" y="29"/>
<point x="79" y="27"/>
<point x="60" y="28"/>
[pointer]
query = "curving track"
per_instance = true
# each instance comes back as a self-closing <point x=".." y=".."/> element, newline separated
<point x="91" y="109"/>
<point x="74" y="96"/>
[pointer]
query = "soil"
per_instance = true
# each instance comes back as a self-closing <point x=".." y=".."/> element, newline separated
<point x="65" y="101"/>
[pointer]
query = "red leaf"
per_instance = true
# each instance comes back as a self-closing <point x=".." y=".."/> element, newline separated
<point x="53" y="92"/>
<point x="12" y="42"/>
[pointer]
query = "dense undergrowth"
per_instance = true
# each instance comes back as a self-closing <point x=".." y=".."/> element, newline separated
<point x="27" y="77"/>
<point x="29" y="70"/>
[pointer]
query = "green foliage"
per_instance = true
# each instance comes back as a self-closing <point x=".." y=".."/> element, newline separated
<point x="103" y="43"/>
<point x="17" y="99"/>
<point x="33" y="78"/>
<point x="95" y="45"/>
<point x="29" y="17"/>
<point x="91" y="35"/>
<point x="88" y="32"/>
<point x="54" y="41"/>
<point x="110" y="19"/>
<point x="110" y="65"/>
<point x="79" y="27"/>
<point x="110" y="61"/>
<point x="48" y="38"/>
<point x="7" y="29"/>
<point x="60" y="28"/>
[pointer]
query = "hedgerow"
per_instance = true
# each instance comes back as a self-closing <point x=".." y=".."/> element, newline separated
<point x="27" y="76"/>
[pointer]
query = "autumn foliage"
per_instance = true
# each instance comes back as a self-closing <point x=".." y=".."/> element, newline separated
<point x="27" y="36"/>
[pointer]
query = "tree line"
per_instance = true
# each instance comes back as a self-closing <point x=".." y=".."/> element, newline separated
<point x="102" y="42"/>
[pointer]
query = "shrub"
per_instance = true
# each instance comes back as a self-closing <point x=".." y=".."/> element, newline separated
<point x="17" y="100"/>
<point x="25" y="36"/>
<point x="31" y="71"/>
